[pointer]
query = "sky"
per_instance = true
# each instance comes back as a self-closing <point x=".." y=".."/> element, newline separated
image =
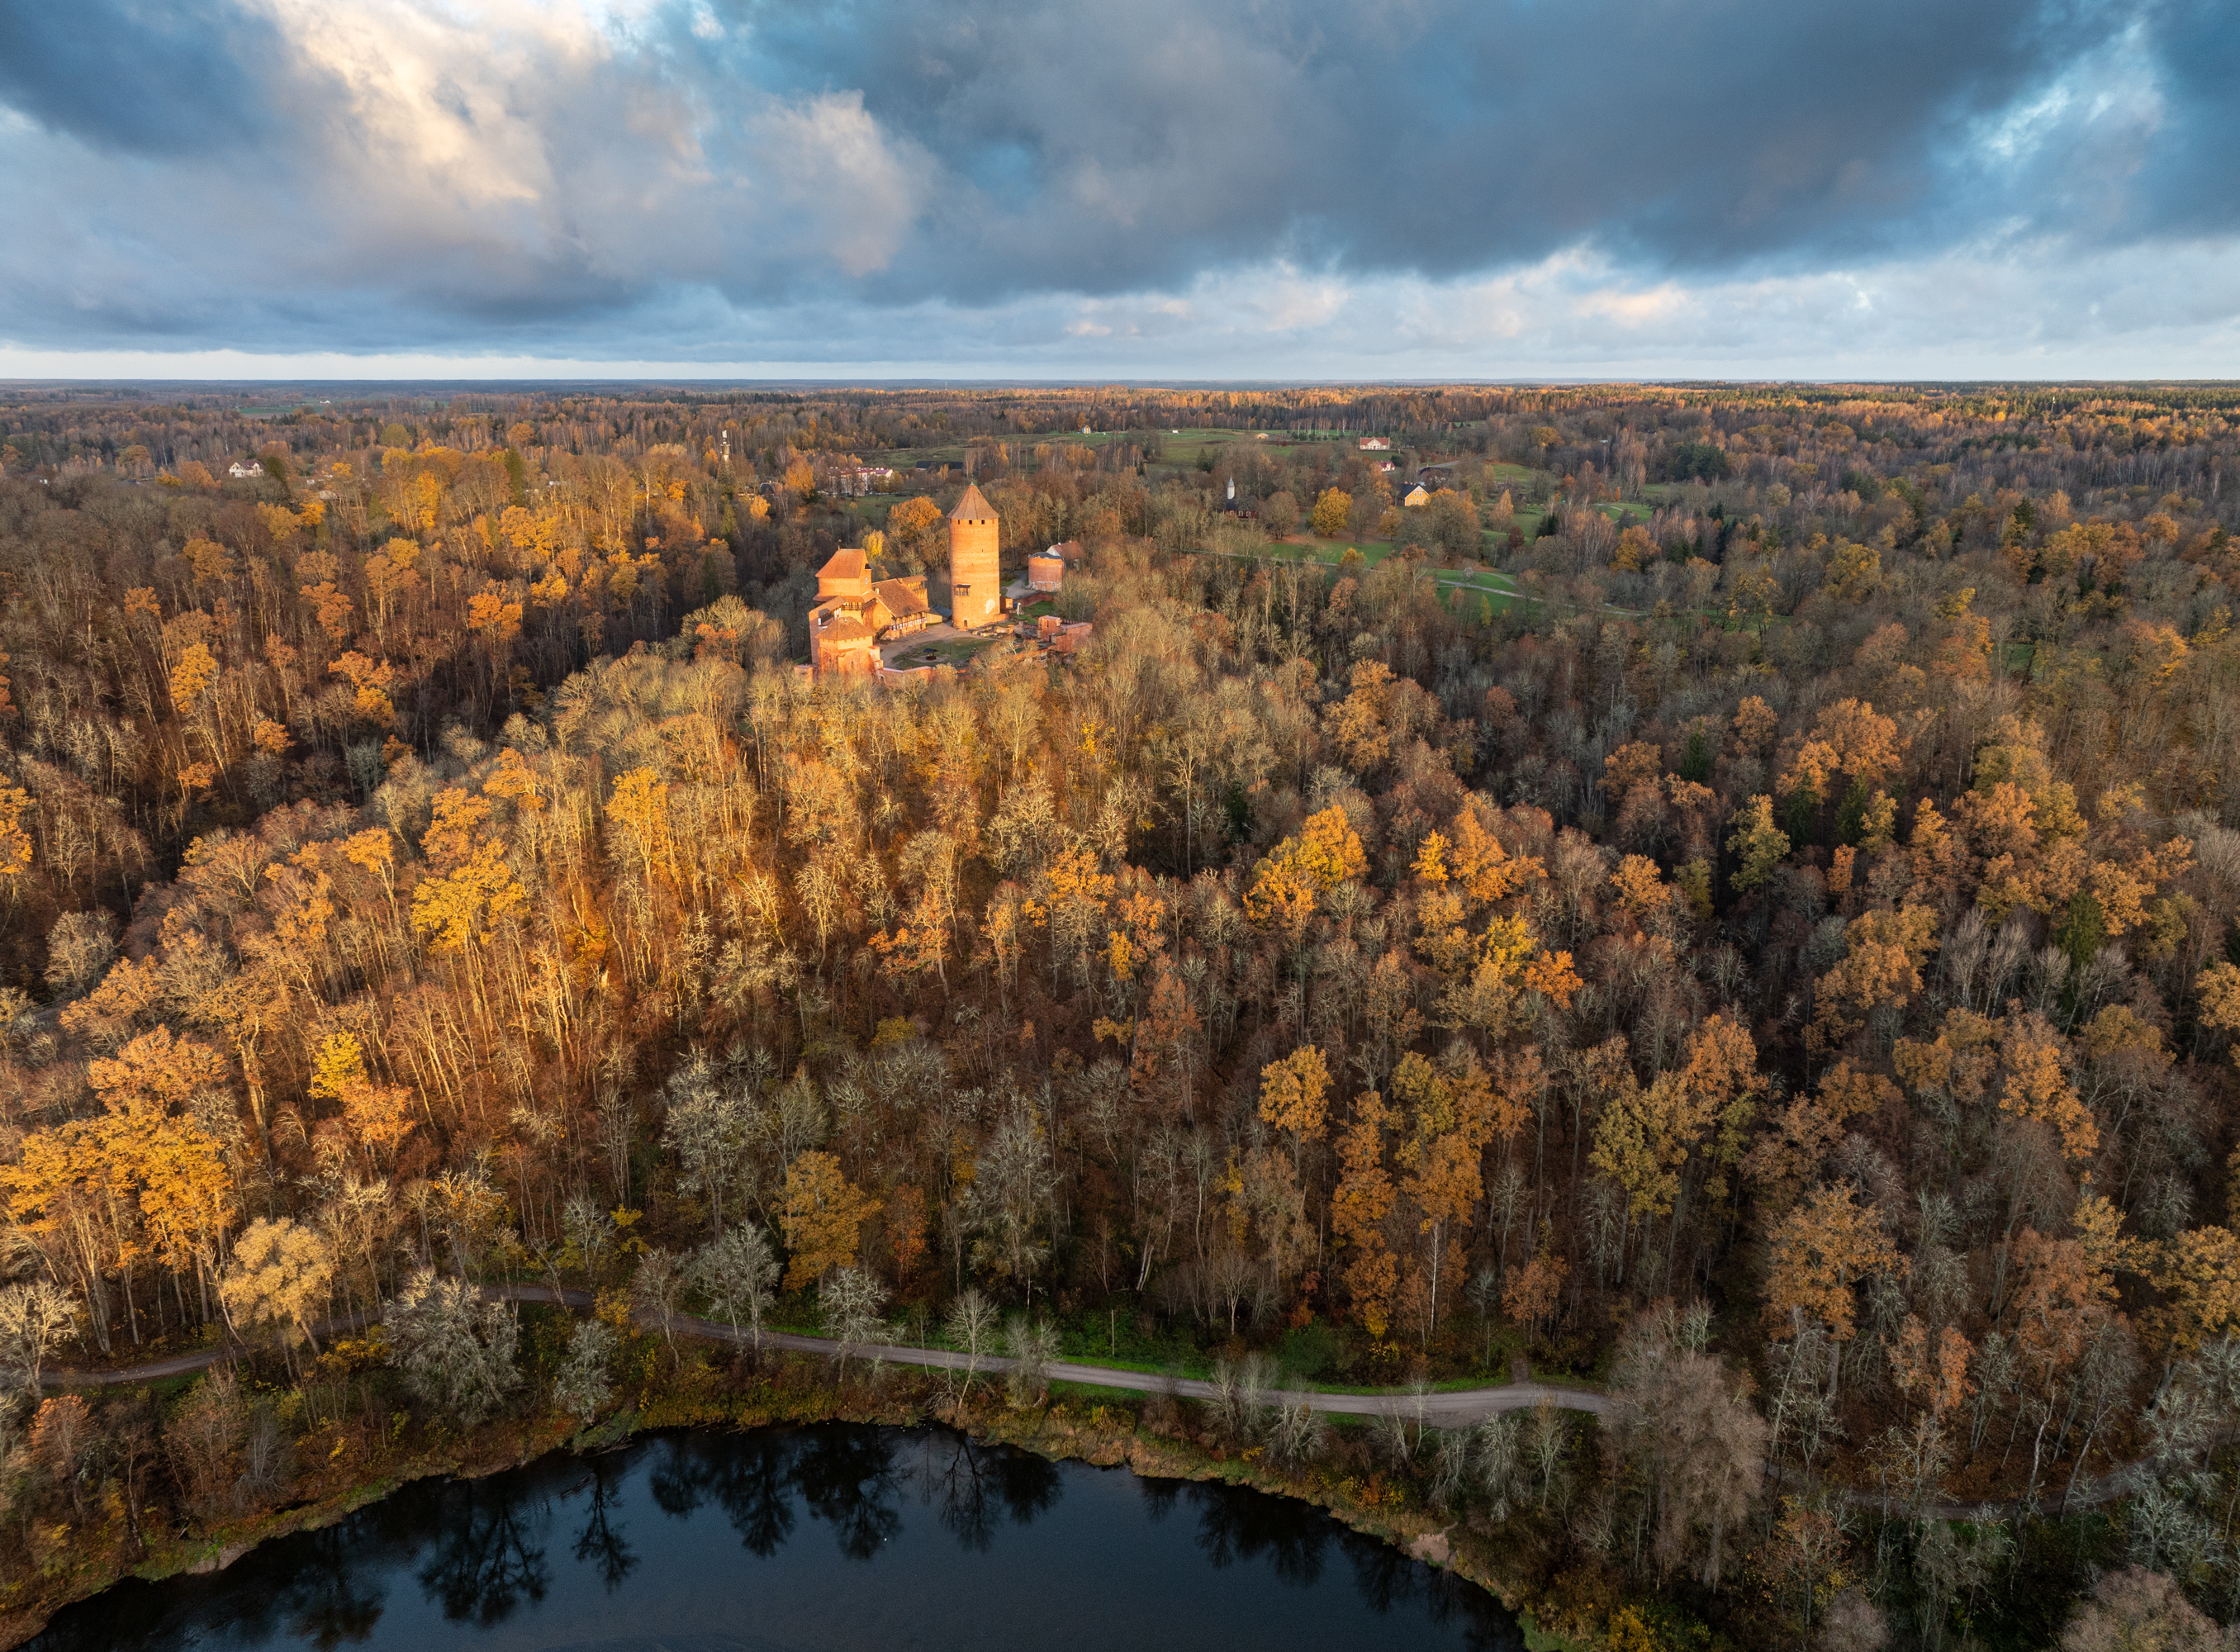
<point x="1156" y="189"/>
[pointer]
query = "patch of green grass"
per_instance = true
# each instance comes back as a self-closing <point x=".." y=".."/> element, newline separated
<point x="1064" y="1390"/>
<point x="1332" y="551"/>
<point x="1117" y="1341"/>
<point x="1539" y="1639"/>
<point x="1444" y="1385"/>
<point x="949" y="651"/>
<point x="1474" y="601"/>
<point x="1308" y="1350"/>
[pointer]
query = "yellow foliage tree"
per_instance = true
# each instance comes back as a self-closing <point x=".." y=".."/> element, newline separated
<point x="1760" y="843"/>
<point x="1640" y="890"/>
<point x="823" y="1218"/>
<point x="2037" y="1087"/>
<point x="471" y="886"/>
<point x="155" y="1073"/>
<point x="1881" y="968"/>
<point x="195" y="671"/>
<point x="1820" y="1251"/>
<point x="640" y="807"/>
<point x="1358" y="1209"/>
<point x="2200" y="1272"/>
<point x="15" y="840"/>
<point x="1293" y="1097"/>
<point x="1298" y="871"/>
<point x="279" y="1277"/>
<point x="1485" y="871"/>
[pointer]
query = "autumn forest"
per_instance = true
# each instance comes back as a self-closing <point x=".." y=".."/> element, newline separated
<point x="1725" y="899"/>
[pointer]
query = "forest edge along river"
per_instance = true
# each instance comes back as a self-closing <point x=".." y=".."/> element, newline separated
<point x="1445" y="1408"/>
<point x="1099" y="1444"/>
<point x="829" y="1535"/>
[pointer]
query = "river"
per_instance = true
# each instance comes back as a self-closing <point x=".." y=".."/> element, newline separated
<point x="808" y="1540"/>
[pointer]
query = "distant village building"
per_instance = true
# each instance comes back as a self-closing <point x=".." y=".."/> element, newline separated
<point x="1376" y="444"/>
<point x="243" y="472"/>
<point x="1416" y="497"/>
<point x="976" y="579"/>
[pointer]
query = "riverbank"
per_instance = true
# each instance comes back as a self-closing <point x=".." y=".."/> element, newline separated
<point x="350" y="1463"/>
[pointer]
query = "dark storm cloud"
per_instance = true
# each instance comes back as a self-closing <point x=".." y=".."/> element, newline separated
<point x="1103" y="147"/>
<point x="280" y="174"/>
<point x="148" y="78"/>
<point x="2187" y="181"/>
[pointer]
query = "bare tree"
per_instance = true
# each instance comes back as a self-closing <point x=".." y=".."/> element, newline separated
<point x="1240" y="1406"/>
<point x="971" y="1327"/>
<point x="455" y="1349"/>
<point x="852" y="1304"/>
<point x="710" y="1129"/>
<point x="2136" y="1609"/>
<point x="583" y="1385"/>
<point x="738" y="1273"/>
<point x="35" y="1319"/>
<point x="1032" y="1344"/>
<point x="203" y="1440"/>
<point x="1296" y="1436"/>
<point x="1500" y="1461"/>
<point x="657" y="1294"/>
<point x="1690" y="1444"/>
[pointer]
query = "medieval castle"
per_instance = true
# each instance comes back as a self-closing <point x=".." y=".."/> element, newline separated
<point x="854" y="614"/>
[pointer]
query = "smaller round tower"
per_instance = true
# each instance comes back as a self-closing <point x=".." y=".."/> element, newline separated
<point x="975" y="578"/>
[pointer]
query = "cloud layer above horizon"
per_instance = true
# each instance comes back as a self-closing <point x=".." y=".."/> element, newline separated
<point x="1266" y="188"/>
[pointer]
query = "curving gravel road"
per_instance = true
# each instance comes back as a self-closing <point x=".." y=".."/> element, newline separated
<point x="1441" y="1410"/>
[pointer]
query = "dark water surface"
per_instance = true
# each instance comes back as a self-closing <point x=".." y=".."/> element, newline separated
<point x="804" y="1540"/>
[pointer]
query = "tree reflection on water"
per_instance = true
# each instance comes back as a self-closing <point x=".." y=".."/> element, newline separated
<point x="485" y="1564"/>
<point x="601" y="1545"/>
<point x="1230" y="1528"/>
<point x="847" y="1477"/>
<point x="334" y="1599"/>
<point x="478" y="1550"/>
<point x="852" y="1479"/>
<point x="1238" y="1525"/>
<point x="976" y="1486"/>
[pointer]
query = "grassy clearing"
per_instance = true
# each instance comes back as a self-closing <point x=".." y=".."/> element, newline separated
<point x="949" y="651"/>
<point x="1481" y="602"/>
<point x="1332" y="551"/>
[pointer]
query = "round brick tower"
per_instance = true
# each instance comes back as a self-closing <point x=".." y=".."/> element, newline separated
<point x="976" y="579"/>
